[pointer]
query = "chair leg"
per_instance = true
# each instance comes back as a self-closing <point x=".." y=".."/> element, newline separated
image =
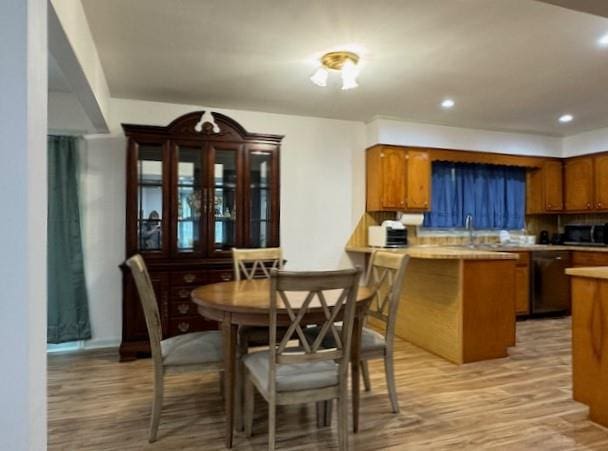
<point x="343" y="421"/>
<point x="249" y="406"/>
<point x="365" y="374"/>
<point x="320" y="413"/>
<point x="157" y="404"/>
<point x="390" y="382"/>
<point x="272" y="407"/>
<point x="221" y="382"/>
<point x="240" y="381"/>
<point x="328" y="410"/>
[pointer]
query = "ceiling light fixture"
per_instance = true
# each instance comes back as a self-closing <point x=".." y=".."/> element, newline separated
<point x="447" y="104"/>
<point x="343" y="62"/>
<point x="603" y="40"/>
<point x="566" y="118"/>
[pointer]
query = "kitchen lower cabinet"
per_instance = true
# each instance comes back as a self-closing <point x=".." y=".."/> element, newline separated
<point x="582" y="258"/>
<point x="590" y="343"/>
<point x="522" y="284"/>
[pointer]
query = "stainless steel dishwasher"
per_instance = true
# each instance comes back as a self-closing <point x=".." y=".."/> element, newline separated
<point x="549" y="285"/>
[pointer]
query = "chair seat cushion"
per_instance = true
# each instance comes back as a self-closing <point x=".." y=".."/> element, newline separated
<point x="192" y="348"/>
<point x="370" y="339"/>
<point x="292" y="377"/>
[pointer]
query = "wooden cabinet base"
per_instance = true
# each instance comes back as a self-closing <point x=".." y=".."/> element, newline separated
<point x="461" y="310"/>
<point x="590" y="346"/>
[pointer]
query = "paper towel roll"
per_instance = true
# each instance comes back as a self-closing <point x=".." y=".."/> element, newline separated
<point x="414" y="219"/>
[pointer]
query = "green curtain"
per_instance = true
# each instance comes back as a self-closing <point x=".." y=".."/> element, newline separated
<point x="68" y="306"/>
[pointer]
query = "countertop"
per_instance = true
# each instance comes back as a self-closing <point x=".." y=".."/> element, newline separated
<point x="482" y="248"/>
<point x="442" y="253"/>
<point x="598" y="272"/>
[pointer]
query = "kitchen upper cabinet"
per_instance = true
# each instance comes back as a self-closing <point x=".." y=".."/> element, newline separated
<point x="579" y="181"/>
<point x="418" y="180"/>
<point x="544" y="188"/>
<point x="553" y="185"/>
<point x="601" y="182"/>
<point x="398" y="179"/>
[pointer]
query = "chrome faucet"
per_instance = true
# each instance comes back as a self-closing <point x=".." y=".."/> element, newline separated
<point x="468" y="224"/>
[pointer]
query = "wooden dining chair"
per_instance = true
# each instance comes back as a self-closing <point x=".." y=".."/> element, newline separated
<point x="385" y="275"/>
<point x="308" y="373"/>
<point x="250" y="264"/>
<point x="198" y="351"/>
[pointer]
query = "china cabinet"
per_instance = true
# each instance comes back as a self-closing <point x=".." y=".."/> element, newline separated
<point x="195" y="189"/>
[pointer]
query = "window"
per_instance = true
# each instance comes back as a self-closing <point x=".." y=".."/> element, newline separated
<point x="494" y="195"/>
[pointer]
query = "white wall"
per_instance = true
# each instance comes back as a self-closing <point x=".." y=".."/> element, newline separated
<point x="23" y="189"/>
<point x="588" y="142"/>
<point x="66" y="115"/>
<point x="322" y="195"/>
<point x="388" y="131"/>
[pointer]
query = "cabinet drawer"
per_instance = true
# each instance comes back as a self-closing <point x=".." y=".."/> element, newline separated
<point x="179" y="326"/>
<point x="181" y="294"/>
<point x="182" y="308"/>
<point x="188" y="278"/>
<point x="589" y="258"/>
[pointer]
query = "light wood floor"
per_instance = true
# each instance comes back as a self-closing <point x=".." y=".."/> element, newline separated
<point x="521" y="402"/>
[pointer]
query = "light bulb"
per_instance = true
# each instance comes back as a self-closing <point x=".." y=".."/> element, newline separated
<point x="349" y="75"/>
<point x="319" y="78"/>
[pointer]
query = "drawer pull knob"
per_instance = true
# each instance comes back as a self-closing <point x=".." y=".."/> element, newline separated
<point x="183" y="327"/>
<point x="183" y="293"/>
<point x="183" y="308"/>
<point x="189" y="278"/>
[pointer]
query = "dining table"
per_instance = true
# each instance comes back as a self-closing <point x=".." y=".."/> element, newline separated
<point x="247" y="303"/>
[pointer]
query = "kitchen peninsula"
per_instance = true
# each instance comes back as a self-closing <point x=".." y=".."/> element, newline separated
<point x="457" y="303"/>
<point x="589" y="339"/>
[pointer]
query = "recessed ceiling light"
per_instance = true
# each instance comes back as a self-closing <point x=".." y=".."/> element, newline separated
<point x="603" y="40"/>
<point x="447" y="104"/>
<point x="566" y="118"/>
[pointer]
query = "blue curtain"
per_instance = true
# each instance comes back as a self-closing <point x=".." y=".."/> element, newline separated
<point x="68" y="309"/>
<point x="494" y="195"/>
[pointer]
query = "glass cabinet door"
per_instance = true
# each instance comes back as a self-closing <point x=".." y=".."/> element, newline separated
<point x="189" y="199"/>
<point x="150" y="202"/>
<point x="260" y="199"/>
<point x="224" y="192"/>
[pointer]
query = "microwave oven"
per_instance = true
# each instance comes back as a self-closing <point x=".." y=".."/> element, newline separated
<point x="586" y="235"/>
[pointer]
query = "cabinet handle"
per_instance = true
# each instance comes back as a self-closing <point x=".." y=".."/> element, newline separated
<point x="588" y="204"/>
<point x="183" y="308"/>
<point x="599" y="205"/>
<point x="183" y="327"/>
<point x="189" y="278"/>
<point x="549" y="205"/>
<point x="225" y="277"/>
<point x="183" y="293"/>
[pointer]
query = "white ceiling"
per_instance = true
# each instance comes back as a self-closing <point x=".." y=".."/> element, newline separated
<point x="509" y="64"/>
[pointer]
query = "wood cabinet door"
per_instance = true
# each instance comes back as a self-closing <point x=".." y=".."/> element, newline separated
<point x="418" y="195"/>
<point x="601" y="182"/>
<point x="394" y="167"/>
<point x="553" y="186"/>
<point x="522" y="290"/>
<point x="534" y="191"/>
<point x="579" y="184"/>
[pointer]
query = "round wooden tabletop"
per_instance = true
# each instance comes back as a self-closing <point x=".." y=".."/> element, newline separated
<point x="253" y="296"/>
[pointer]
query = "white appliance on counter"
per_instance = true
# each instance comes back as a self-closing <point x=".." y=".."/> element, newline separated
<point x="389" y="234"/>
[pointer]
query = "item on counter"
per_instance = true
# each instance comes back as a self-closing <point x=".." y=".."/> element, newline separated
<point x="557" y="238"/>
<point x="543" y="237"/>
